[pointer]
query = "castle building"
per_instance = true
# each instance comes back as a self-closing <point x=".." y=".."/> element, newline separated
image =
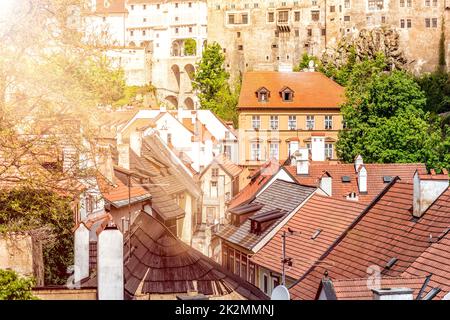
<point x="268" y="34"/>
<point x="157" y="42"/>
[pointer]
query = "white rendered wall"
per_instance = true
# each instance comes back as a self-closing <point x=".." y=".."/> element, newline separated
<point x="81" y="254"/>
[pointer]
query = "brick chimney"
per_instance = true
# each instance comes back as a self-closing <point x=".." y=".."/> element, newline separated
<point x="427" y="188"/>
<point x="124" y="156"/>
<point x="110" y="284"/>
<point x="392" y="294"/>
<point x="318" y="147"/>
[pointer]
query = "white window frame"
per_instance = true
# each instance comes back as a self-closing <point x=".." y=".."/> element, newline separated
<point x="292" y="123"/>
<point x="255" y="151"/>
<point x="328" y="122"/>
<point x="274" y="150"/>
<point x="328" y="150"/>
<point x="310" y="122"/>
<point x="256" y="122"/>
<point x="274" y="124"/>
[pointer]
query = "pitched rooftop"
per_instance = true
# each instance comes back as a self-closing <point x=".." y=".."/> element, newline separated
<point x="317" y="224"/>
<point x="281" y="196"/>
<point x="386" y="230"/>
<point x="310" y="90"/>
<point x="160" y="264"/>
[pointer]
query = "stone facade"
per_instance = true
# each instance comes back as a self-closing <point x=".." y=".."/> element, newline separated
<point x="155" y="42"/>
<point x="267" y="35"/>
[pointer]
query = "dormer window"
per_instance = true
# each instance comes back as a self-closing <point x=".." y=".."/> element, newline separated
<point x="287" y="94"/>
<point x="263" y="94"/>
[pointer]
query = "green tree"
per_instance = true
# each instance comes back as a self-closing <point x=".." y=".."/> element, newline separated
<point x="211" y="80"/>
<point x="31" y="209"/>
<point x="14" y="287"/>
<point x="436" y="86"/>
<point x="190" y="47"/>
<point x="442" y="63"/>
<point x="304" y="62"/>
<point x="386" y="120"/>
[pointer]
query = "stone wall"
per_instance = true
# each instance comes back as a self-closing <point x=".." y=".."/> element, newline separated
<point x="253" y="42"/>
<point x="22" y="253"/>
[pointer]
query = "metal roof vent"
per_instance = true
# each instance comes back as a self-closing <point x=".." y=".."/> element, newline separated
<point x="387" y="179"/>
<point x="346" y="179"/>
<point x="391" y="263"/>
<point x="316" y="234"/>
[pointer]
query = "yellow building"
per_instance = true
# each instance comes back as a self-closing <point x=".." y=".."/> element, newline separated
<point x="279" y="112"/>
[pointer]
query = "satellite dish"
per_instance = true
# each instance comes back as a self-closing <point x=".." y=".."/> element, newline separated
<point x="280" y="293"/>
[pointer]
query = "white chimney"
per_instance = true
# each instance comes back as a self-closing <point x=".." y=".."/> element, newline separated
<point x="105" y="163"/>
<point x="362" y="179"/>
<point x="110" y="264"/>
<point x="180" y="114"/>
<point x="136" y="142"/>
<point x="81" y="254"/>
<point x="352" y="196"/>
<point x="392" y="294"/>
<point x="193" y="117"/>
<point x="302" y="161"/>
<point x="358" y="162"/>
<point x="124" y="155"/>
<point x="326" y="183"/>
<point x="427" y="188"/>
<point x="318" y="148"/>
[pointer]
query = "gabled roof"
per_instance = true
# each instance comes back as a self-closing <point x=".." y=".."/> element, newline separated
<point x="312" y="90"/>
<point x="280" y="195"/>
<point x="232" y="169"/>
<point x="329" y="215"/>
<point x="385" y="232"/>
<point x="160" y="263"/>
<point x="375" y="174"/>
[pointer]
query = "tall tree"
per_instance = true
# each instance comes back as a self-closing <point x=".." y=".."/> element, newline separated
<point x="386" y="120"/>
<point x="211" y="80"/>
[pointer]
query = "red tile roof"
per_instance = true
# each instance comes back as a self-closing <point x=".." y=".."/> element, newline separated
<point x="117" y="194"/>
<point x="311" y="90"/>
<point x="226" y="164"/>
<point x="375" y="174"/>
<point x="331" y="216"/>
<point x="385" y="231"/>
<point x="360" y="289"/>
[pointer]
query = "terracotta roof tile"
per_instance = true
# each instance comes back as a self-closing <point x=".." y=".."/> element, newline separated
<point x="375" y="174"/>
<point x="387" y="230"/>
<point x="311" y="90"/>
<point x="360" y="289"/>
<point x="329" y="215"/>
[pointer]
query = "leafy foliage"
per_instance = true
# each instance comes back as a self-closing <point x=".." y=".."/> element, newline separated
<point x="14" y="287"/>
<point x="190" y="47"/>
<point x="133" y="95"/>
<point x="211" y="81"/>
<point x="30" y="209"/>
<point x="386" y="120"/>
<point x="304" y="62"/>
<point x="436" y="86"/>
